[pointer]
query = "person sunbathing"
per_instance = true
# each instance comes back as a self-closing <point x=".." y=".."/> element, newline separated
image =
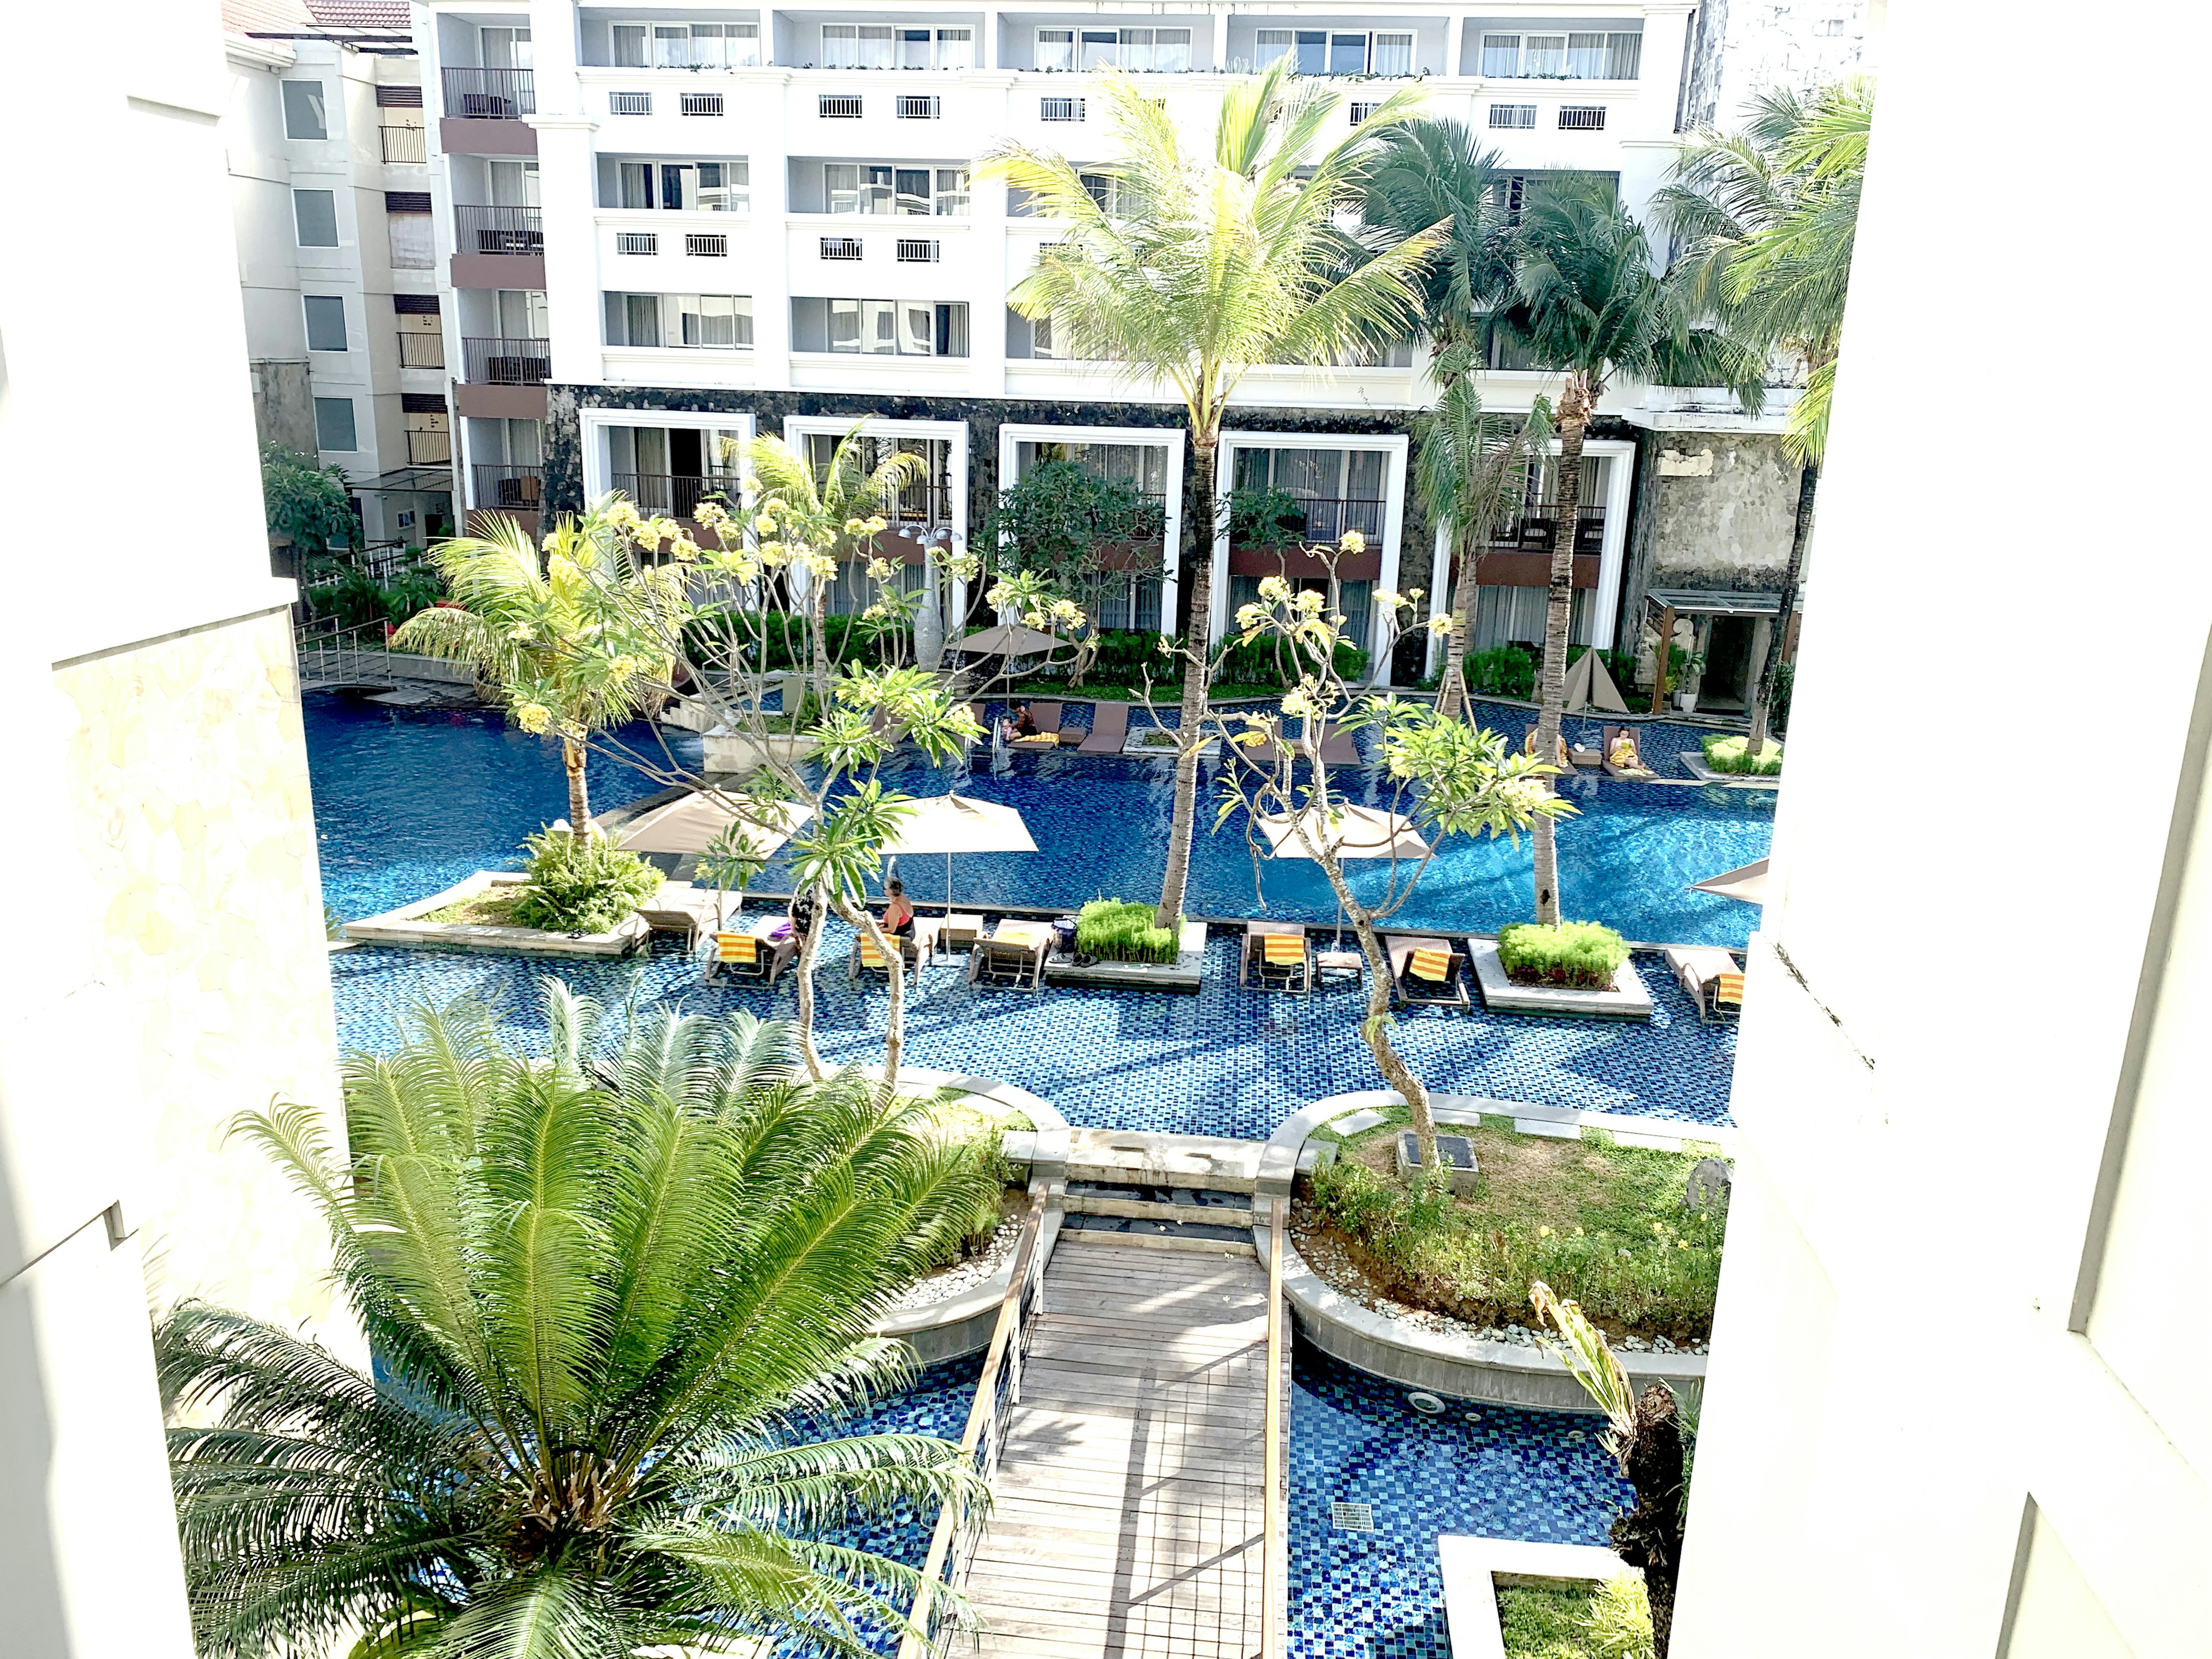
<point x="1025" y="724"/>
<point x="898" y="911"/>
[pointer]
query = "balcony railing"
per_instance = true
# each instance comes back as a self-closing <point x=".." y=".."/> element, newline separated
<point x="499" y="230"/>
<point x="405" y="144"/>
<point x="506" y="362"/>
<point x="1327" y="519"/>
<point x="507" y="488"/>
<point x="429" y="448"/>
<point x="1535" y="530"/>
<point x="673" y="496"/>
<point x="418" y="351"/>
<point x="490" y="94"/>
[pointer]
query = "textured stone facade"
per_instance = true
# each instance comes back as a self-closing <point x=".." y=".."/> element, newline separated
<point x="188" y="786"/>
<point x="1718" y="510"/>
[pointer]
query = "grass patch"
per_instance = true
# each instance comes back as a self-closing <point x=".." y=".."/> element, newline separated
<point x="493" y="907"/>
<point x="1582" y="956"/>
<point x="1730" y="755"/>
<point x="1122" y="930"/>
<point x="1576" y="1618"/>
<point x="1601" y="1222"/>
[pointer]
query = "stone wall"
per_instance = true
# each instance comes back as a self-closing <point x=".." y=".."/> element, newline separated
<point x="1715" y="510"/>
<point x="188" y="788"/>
<point x="284" y="403"/>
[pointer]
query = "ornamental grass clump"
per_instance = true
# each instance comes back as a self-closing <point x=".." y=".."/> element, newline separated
<point x="1122" y="930"/>
<point x="579" y="887"/>
<point x="1582" y="956"/>
<point x="1730" y="755"/>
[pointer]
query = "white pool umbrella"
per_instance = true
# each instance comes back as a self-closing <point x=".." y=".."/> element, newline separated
<point x="1352" y="832"/>
<point x="951" y="824"/>
<point x="1748" y="884"/>
<point x="1006" y="640"/>
<point x="690" y="824"/>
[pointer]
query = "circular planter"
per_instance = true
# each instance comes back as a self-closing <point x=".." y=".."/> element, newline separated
<point x="1445" y="1363"/>
<point x="962" y="1323"/>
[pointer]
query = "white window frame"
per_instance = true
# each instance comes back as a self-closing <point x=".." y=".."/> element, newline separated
<point x="961" y="189"/>
<point x="321" y="106"/>
<point x="353" y="415"/>
<point x="1287" y="46"/>
<point x="889" y="44"/>
<point x="1565" y="36"/>
<point x="308" y="302"/>
<point x="742" y="192"/>
<point x="671" y="309"/>
<point x="797" y="428"/>
<point x="1013" y="433"/>
<point x="656" y="58"/>
<point x="593" y="424"/>
<point x="1393" y="446"/>
<point x="1080" y="37"/>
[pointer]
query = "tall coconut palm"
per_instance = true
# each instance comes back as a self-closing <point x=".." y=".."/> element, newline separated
<point x="1768" y="217"/>
<point x="1436" y="173"/>
<point x="1470" y="467"/>
<point x="600" y="1300"/>
<point x="568" y="639"/>
<point x="1587" y="304"/>
<point x="1186" y="270"/>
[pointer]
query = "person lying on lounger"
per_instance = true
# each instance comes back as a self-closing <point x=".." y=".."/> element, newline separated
<point x="898" y="911"/>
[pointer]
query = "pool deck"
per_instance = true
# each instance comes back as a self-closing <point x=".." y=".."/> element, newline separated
<point x="1226" y="1062"/>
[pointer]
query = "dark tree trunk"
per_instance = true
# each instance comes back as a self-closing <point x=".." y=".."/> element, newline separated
<point x="579" y="796"/>
<point x="1575" y="400"/>
<point x="1195" y="649"/>
<point x="1762" y="699"/>
<point x="1650" y="1536"/>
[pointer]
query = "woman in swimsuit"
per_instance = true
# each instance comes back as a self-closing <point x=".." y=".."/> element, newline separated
<point x="898" y="913"/>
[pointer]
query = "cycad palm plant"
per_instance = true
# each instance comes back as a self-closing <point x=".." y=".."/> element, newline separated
<point x="1768" y="217"/>
<point x="1188" y="269"/>
<point x="573" y="639"/>
<point x="599" y="1297"/>
<point x="1587" y="304"/>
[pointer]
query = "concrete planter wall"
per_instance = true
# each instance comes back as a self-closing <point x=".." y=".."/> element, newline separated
<point x="1464" y="1367"/>
<point x="406" y="927"/>
<point x="731" y="752"/>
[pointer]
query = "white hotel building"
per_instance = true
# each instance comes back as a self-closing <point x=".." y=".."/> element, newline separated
<point x="665" y="228"/>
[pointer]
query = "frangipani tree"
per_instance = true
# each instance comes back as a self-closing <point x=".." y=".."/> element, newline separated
<point x="1443" y="777"/>
<point x="1186" y="270"/>
<point x="574" y="642"/>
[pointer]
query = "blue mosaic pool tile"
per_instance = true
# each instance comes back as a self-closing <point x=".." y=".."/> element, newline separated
<point x="1480" y="1470"/>
<point x="1225" y="1062"/>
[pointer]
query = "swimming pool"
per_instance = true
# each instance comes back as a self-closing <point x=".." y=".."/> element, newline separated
<point x="407" y="802"/>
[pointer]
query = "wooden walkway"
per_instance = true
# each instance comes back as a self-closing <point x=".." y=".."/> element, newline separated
<point x="1127" y="1516"/>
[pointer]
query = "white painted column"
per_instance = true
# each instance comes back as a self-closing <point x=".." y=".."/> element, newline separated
<point x="566" y="193"/>
<point x="770" y="270"/>
<point x="1220" y="63"/>
<point x="1439" y="582"/>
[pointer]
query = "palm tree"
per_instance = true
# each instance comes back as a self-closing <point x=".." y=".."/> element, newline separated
<point x="600" y="1295"/>
<point x="1188" y="269"/>
<point x="1768" y="217"/>
<point x="1469" y="469"/>
<point x="564" y="640"/>
<point x="1436" y="173"/>
<point x="1587" y="304"/>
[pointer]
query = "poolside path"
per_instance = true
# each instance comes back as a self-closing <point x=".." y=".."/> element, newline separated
<point x="1128" y="1518"/>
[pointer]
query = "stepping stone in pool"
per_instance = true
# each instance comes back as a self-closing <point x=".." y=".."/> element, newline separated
<point x="1456" y="1152"/>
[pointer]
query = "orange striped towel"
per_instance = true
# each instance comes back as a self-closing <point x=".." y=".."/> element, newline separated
<point x="737" y="947"/>
<point x="869" y="956"/>
<point x="1728" y="988"/>
<point x="1283" y="950"/>
<point x="1432" y="965"/>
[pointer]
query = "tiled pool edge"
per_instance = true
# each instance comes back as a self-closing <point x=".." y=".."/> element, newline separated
<point x="1472" y="1567"/>
<point x="1465" y="1368"/>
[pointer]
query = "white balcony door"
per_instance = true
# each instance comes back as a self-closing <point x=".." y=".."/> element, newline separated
<point x="513" y="184"/>
<point x="506" y="48"/>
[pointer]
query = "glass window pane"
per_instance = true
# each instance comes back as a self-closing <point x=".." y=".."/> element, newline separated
<point x="840" y="46"/>
<point x="844" y="324"/>
<point x="1624" y="57"/>
<point x="913" y="49"/>
<point x="1055" y="48"/>
<point x="956" y="49"/>
<point x="1101" y="48"/>
<point x="671" y="46"/>
<point x="1137" y="50"/>
<point x="952" y="192"/>
<point x="315" y="214"/>
<point x="1501" y="56"/>
<point x="1313" y="51"/>
<point x="1171" y="50"/>
<point x="325" y="322"/>
<point x="1547" y="55"/>
<point x="1393" y="54"/>
<point x="917" y="329"/>
<point x="1585" y="57"/>
<point x="630" y="45"/>
<point x="636" y="184"/>
<point x="303" y="110"/>
<point x="744" y="45"/>
<point x="879" y="326"/>
<point x="878" y="41"/>
<point x="841" y="187"/>
<point x="708" y="50"/>
<point x="952" y="330"/>
<point x="1347" y="54"/>
<point x="912" y="185"/>
<point x="334" y="428"/>
<point x="642" y="315"/>
<point x="1273" y="43"/>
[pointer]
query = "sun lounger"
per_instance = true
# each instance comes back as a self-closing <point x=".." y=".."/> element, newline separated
<point x="1337" y="748"/>
<point x="1590" y="758"/>
<point x="867" y="960"/>
<point x="1561" y="758"/>
<point x="1425" y="972"/>
<point x="1623" y="755"/>
<point x="1110" y="729"/>
<point x="1710" y="977"/>
<point x="1047" y="716"/>
<point x="681" y="907"/>
<point x="758" y="954"/>
<point x="1277" y="956"/>
<point x="1013" y="956"/>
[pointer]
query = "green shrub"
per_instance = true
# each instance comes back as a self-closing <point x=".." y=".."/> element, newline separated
<point x="1122" y="930"/>
<point x="1785" y="682"/>
<point x="1506" y="671"/>
<point x="1271" y="661"/>
<point x="582" y="886"/>
<point x="1727" y="754"/>
<point x="1582" y="955"/>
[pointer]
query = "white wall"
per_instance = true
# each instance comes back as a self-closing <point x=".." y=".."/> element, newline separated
<point x="1971" y="1064"/>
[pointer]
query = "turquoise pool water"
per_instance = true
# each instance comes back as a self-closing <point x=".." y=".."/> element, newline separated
<point x="407" y="802"/>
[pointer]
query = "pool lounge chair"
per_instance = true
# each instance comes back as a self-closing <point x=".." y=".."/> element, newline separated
<point x="1710" y="977"/>
<point x="1013" y="956"/>
<point x="867" y="960"/>
<point x="1047" y="716"/>
<point x="1425" y="972"/>
<point x="682" y="907"/>
<point x="1337" y="748"/>
<point x="753" y="955"/>
<point x="1627" y="765"/>
<point x="1110" y="729"/>
<point x="1277" y="956"/>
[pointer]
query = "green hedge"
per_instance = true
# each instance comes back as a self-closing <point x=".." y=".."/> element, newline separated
<point x="1264" y="660"/>
<point x="1582" y="955"/>
<point x="1122" y="930"/>
<point x="582" y="886"/>
<point x="1727" y="755"/>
